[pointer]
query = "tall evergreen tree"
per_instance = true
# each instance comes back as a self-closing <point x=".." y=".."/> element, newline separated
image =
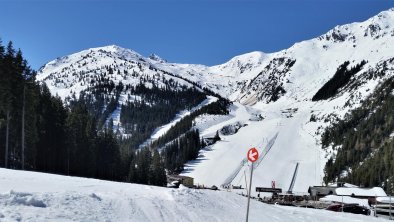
<point x="158" y="174"/>
<point x="81" y="133"/>
<point x="108" y="156"/>
<point x="51" y="145"/>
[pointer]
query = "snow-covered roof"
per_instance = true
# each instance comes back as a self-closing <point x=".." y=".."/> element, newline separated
<point x="346" y="200"/>
<point x="343" y="184"/>
<point x="385" y="199"/>
<point x="375" y="191"/>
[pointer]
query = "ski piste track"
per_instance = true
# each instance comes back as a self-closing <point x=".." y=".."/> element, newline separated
<point x="263" y="152"/>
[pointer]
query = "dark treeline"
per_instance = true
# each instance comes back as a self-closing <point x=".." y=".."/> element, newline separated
<point x="219" y="107"/>
<point x="340" y="79"/>
<point x="153" y="107"/>
<point x="181" y="143"/>
<point x="38" y="132"/>
<point x="364" y="142"/>
<point x="101" y="98"/>
<point x="146" y="108"/>
<point x="17" y="85"/>
<point x="147" y="168"/>
<point x="181" y="150"/>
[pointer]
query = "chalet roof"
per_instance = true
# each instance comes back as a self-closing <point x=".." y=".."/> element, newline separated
<point x="366" y="192"/>
<point x="177" y="177"/>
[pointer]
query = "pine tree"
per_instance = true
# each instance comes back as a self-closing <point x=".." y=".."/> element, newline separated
<point x="51" y="155"/>
<point x="216" y="137"/>
<point x="158" y="173"/>
<point x="7" y="97"/>
<point x="108" y="156"/>
<point x="81" y="136"/>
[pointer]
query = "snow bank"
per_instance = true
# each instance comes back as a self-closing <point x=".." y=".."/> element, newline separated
<point x="21" y="198"/>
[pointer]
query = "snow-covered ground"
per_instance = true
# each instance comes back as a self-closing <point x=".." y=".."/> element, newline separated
<point x="30" y="196"/>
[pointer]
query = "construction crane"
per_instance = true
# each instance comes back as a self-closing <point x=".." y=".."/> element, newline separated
<point x="293" y="179"/>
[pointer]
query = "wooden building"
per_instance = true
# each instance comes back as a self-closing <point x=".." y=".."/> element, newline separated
<point x="184" y="180"/>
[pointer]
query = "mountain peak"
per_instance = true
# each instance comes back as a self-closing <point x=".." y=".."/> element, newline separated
<point x="243" y="62"/>
<point x="250" y="56"/>
<point x="157" y="58"/>
<point x="110" y="47"/>
<point x="390" y="10"/>
<point x="123" y="52"/>
<point x="378" y="26"/>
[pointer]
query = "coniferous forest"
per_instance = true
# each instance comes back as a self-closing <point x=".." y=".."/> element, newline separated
<point x="40" y="132"/>
<point x="364" y="142"/>
<point x="340" y="79"/>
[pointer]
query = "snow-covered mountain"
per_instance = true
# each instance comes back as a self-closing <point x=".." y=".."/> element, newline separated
<point x="75" y="73"/>
<point x="277" y="86"/>
<point x="305" y="65"/>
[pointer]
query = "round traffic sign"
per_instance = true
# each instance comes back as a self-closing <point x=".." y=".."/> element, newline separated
<point x="253" y="154"/>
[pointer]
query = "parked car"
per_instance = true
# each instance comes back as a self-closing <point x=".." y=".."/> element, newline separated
<point x="335" y="207"/>
<point x="356" y="209"/>
<point x="214" y="187"/>
<point x="349" y="208"/>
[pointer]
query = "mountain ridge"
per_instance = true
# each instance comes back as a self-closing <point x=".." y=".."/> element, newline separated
<point x="277" y="86"/>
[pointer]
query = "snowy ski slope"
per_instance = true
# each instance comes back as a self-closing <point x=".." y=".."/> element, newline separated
<point x="30" y="196"/>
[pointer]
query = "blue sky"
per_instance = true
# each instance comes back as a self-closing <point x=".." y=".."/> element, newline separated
<point x="201" y="31"/>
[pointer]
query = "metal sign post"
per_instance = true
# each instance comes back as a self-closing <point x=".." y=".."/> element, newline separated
<point x="376" y="202"/>
<point x="250" y="190"/>
<point x="253" y="155"/>
<point x="390" y="207"/>
<point x="342" y="204"/>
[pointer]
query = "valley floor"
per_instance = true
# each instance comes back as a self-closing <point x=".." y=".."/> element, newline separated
<point x="30" y="196"/>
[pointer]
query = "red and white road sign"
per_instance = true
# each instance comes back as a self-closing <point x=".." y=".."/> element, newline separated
<point x="253" y="154"/>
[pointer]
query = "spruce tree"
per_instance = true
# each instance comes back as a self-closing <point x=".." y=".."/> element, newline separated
<point x="158" y="173"/>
